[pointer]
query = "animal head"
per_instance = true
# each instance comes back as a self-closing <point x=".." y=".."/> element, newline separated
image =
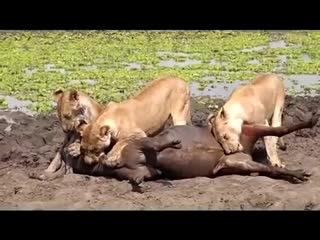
<point x="69" y="108"/>
<point x="226" y="130"/>
<point x="94" y="141"/>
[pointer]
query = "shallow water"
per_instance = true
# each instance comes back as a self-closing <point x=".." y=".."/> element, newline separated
<point x="214" y="62"/>
<point x="254" y="49"/>
<point x="133" y="66"/>
<point x="87" y="81"/>
<point x="306" y="58"/>
<point x="30" y="71"/>
<point x="90" y="67"/>
<point x="173" y="63"/>
<point x="47" y="68"/>
<point x="223" y="88"/>
<point x="19" y="105"/>
<point x="178" y="54"/>
<point x="282" y="62"/>
<point x="218" y="90"/>
<point x="283" y="59"/>
<point x="254" y="62"/>
<point x="272" y="44"/>
<point x="51" y="68"/>
<point x="278" y="44"/>
<point x="298" y="82"/>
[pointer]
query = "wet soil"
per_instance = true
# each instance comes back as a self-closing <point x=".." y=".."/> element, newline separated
<point x="28" y="144"/>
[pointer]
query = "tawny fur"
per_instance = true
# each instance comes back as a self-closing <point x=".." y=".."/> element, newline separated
<point x="144" y="114"/>
<point x="260" y="102"/>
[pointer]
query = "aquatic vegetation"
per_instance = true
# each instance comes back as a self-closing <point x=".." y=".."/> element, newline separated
<point x="3" y="103"/>
<point x="113" y="65"/>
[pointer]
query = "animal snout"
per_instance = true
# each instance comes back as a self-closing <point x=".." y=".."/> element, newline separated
<point x="227" y="148"/>
<point x="232" y="147"/>
<point x="240" y="147"/>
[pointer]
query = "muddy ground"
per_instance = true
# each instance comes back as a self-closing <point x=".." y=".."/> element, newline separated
<point x="28" y="144"/>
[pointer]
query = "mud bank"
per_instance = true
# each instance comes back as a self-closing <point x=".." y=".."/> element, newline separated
<point x="27" y="144"/>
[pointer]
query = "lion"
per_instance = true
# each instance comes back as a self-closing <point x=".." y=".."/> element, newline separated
<point x="145" y="114"/>
<point x="72" y="106"/>
<point x="260" y="102"/>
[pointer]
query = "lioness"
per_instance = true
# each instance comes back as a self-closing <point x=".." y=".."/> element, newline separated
<point x="260" y="102"/>
<point x="72" y="105"/>
<point x="143" y="115"/>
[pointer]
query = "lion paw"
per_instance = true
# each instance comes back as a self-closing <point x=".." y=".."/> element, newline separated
<point x="278" y="164"/>
<point x="74" y="149"/>
<point x="111" y="159"/>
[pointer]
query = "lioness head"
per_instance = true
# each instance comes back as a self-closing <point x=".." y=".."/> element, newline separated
<point x="69" y="108"/>
<point x="226" y="130"/>
<point x="94" y="141"/>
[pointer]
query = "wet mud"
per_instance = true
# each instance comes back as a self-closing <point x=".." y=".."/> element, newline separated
<point x="28" y="144"/>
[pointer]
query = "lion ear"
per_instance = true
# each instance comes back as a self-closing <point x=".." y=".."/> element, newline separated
<point x="223" y="114"/>
<point x="104" y="130"/>
<point x="209" y="118"/>
<point x="81" y="126"/>
<point x="74" y="95"/>
<point x="57" y="95"/>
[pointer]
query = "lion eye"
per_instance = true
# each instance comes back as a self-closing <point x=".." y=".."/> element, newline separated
<point x="225" y="137"/>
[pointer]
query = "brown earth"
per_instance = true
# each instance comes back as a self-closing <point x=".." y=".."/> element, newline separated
<point x="30" y="143"/>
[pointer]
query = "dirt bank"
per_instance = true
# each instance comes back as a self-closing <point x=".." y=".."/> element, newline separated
<point x="28" y="144"/>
